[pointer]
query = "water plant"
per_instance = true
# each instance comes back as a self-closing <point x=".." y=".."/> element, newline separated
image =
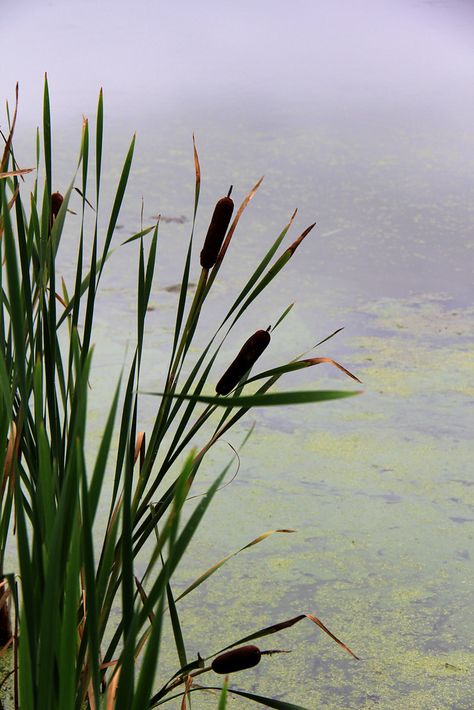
<point x="87" y="624"/>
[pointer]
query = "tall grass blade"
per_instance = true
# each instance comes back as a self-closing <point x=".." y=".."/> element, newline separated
<point x="17" y="315"/>
<point x="202" y="578"/>
<point x="102" y="456"/>
<point x="139" y="235"/>
<point x="262" y="700"/>
<point x="260" y="269"/>
<point x="299" y="365"/>
<point x="92" y="610"/>
<point x="146" y="677"/>
<point x="223" y="696"/>
<point x="12" y="173"/>
<point x="187" y="265"/>
<point x="68" y="633"/>
<point x="117" y="203"/>
<point x="8" y="143"/>
<point x="47" y="141"/>
<point x="98" y="146"/>
<point x="282" y="317"/>
<point x="273" y="271"/>
<point x="263" y="400"/>
<point x="176" y="625"/>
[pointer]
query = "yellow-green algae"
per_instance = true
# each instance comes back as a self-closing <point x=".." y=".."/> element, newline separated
<point x="381" y="492"/>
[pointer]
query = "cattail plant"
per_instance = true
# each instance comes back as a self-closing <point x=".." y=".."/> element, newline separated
<point x="56" y="202"/>
<point x="246" y="358"/>
<point x="217" y="230"/>
<point x="238" y="659"/>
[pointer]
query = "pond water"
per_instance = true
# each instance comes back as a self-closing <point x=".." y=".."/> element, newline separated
<point x="360" y="115"/>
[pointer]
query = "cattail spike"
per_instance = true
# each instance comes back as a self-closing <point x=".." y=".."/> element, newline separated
<point x="56" y="202"/>
<point x="238" y="659"/>
<point x="217" y="229"/>
<point x="247" y="357"/>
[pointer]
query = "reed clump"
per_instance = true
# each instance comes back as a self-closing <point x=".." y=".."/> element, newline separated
<point x="87" y="618"/>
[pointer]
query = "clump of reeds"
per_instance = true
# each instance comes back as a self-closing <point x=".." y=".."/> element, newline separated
<point x="69" y="648"/>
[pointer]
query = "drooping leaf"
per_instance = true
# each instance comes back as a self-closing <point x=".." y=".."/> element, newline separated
<point x="280" y="626"/>
<point x="11" y="173"/>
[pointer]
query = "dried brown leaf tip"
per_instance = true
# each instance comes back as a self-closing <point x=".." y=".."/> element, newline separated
<point x="248" y="355"/>
<point x="217" y="231"/>
<point x="239" y="659"/>
<point x="293" y="247"/>
<point x="56" y="202"/>
<point x="319" y="360"/>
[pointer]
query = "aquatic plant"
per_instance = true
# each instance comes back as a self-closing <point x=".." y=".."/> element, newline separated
<point x="86" y="625"/>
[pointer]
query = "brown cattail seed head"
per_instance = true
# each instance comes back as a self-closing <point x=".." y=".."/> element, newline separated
<point x="56" y="202"/>
<point x="236" y="660"/>
<point x="247" y="357"/>
<point x="216" y="232"/>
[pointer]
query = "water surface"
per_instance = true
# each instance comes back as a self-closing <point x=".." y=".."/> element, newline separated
<point x="361" y="116"/>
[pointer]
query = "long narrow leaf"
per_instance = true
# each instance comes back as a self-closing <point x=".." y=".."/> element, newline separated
<point x="260" y="269"/>
<point x="274" y="628"/>
<point x="264" y="400"/>
<point x="262" y="700"/>
<point x="117" y="204"/>
<point x="47" y="139"/>
<point x="299" y="365"/>
<point x="223" y="696"/>
<point x="12" y="173"/>
<point x="139" y="235"/>
<point x="266" y="702"/>
<point x="202" y="578"/>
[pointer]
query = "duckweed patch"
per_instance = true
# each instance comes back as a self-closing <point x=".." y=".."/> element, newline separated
<point x="383" y="505"/>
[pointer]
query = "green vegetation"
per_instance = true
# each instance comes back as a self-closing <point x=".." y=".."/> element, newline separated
<point x="87" y="625"/>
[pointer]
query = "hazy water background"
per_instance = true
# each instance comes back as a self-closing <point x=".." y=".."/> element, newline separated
<point x="361" y="114"/>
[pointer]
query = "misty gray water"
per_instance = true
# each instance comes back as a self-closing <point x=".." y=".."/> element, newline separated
<point x="360" y="114"/>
